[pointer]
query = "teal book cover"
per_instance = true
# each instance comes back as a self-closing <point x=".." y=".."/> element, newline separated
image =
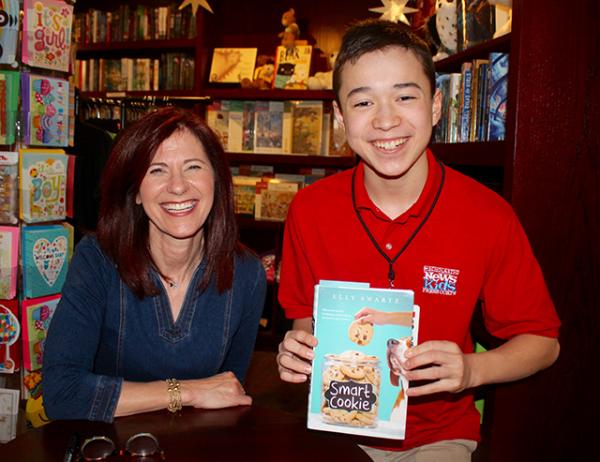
<point x="357" y="384"/>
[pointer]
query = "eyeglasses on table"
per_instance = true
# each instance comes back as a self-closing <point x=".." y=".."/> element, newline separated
<point x="141" y="446"/>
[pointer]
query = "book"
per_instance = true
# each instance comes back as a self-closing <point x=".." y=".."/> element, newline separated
<point x="9" y="258"/>
<point x="235" y="126"/>
<point x="454" y="107"/>
<point x="357" y="385"/>
<point x="465" y="102"/>
<point x="244" y="194"/>
<point x="273" y="198"/>
<point x="47" y="34"/>
<point x="9" y="31"/>
<point x="248" y="126"/>
<point x="475" y="22"/>
<point x="307" y="127"/>
<point x="10" y="331"/>
<point x="36" y="314"/>
<point x="292" y="66"/>
<point x="9" y="414"/>
<point x="9" y="100"/>
<point x="46" y="106"/>
<point x="440" y="132"/>
<point x="232" y="65"/>
<point x="45" y="251"/>
<point x="268" y="127"/>
<point x="217" y="118"/>
<point x="43" y="177"/>
<point x="497" y="95"/>
<point x="9" y="187"/>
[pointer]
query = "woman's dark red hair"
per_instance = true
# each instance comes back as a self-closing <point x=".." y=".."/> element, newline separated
<point x="123" y="226"/>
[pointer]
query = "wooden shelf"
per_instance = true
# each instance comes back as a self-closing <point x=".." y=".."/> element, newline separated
<point x="248" y="222"/>
<point x="481" y="154"/>
<point x="140" y="94"/>
<point x="252" y="94"/>
<point x="479" y="51"/>
<point x="292" y="159"/>
<point x="157" y="46"/>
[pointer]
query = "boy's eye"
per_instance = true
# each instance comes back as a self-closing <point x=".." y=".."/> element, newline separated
<point x="406" y="98"/>
<point x="361" y="104"/>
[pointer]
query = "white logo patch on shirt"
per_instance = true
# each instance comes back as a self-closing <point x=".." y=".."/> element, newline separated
<point x="437" y="280"/>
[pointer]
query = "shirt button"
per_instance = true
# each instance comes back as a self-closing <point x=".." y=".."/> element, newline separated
<point x="388" y="246"/>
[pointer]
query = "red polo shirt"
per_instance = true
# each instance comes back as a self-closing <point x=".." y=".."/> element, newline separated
<point x="472" y="247"/>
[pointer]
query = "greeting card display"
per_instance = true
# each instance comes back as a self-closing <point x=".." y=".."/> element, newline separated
<point x="45" y="102"/>
<point x="47" y="34"/>
<point x="36" y="315"/>
<point x="10" y="329"/>
<point x="9" y="187"/>
<point x="43" y="176"/>
<point x="9" y="99"/>
<point x="46" y="251"/>
<point x="9" y="256"/>
<point x="9" y="30"/>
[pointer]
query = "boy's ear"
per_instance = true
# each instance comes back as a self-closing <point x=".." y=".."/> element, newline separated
<point x="337" y="113"/>
<point x="436" y="109"/>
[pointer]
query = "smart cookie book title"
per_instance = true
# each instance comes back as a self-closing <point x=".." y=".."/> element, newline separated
<point x="357" y="385"/>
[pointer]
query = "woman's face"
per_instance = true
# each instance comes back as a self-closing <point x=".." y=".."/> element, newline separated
<point x="177" y="191"/>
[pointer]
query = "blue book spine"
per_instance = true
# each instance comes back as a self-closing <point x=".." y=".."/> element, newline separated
<point x="497" y="96"/>
<point x="465" y="113"/>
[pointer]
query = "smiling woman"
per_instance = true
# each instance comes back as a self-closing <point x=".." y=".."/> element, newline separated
<point x="164" y="290"/>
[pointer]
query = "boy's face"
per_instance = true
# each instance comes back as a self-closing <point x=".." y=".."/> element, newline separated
<point x="387" y="110"/>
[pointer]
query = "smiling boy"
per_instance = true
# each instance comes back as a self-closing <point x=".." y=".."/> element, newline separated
<point x="402" y="219"/>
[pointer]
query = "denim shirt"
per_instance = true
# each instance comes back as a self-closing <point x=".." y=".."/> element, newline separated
<point x="102" y="334"/>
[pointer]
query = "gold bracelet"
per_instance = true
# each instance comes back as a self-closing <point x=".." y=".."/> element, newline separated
<point x="174" y="389"/>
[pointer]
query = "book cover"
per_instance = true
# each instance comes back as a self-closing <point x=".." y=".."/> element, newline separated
<point x="45" y="251"/>
<point x="268" y="127"/>
<point x="9" y="261"/>
<point x="9" y="30"/>
<point x="475" y="22"/>
<point x="217" y="118"/>
<point x="43" y="176"/>
<point x="10" y="330"/>
<point x="454" y="107"/>
<point x="273" y="199"/>
<point x="45" y="102"/>
<point x="36" y="314"/>
<point x="47" y="34"/>
<point x="307" y="127"/>
<point x="465" y="102"/>
<point x="235" y="126"/>
<point x="497" y="95"/>
<point x="9" y="187"/>
<point x="357" y="385"/>
<point x="244" y="193"/>
<point x="232" y="65"/>
<point x="440" y="132"/>
<point x="292" y="66"/>
<point x="9" y="100"/>
<point x="248" y="126"/>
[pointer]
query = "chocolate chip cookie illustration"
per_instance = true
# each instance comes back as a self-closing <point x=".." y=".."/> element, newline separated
<point x="361" y="333"/>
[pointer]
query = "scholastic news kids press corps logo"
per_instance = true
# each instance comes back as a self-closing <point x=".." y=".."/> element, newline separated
<point x="440" y="281"/>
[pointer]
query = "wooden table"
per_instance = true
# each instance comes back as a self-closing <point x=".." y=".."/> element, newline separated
<point x="242" y="433"/>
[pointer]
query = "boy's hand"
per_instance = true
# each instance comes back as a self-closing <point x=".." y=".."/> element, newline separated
<point x="295" y="354"/>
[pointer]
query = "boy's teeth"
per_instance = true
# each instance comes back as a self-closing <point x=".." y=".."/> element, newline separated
<point x="389" y="144"/>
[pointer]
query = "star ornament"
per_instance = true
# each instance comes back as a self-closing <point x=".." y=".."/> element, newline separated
<point x="394" y="10"/>
<point x="195" y="4"/>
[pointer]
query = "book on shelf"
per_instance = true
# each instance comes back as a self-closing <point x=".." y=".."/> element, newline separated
<point x="465" y="102"/>
<point x="217" y="118"/>
<point x="454" y="98"/>
<point x="36" y="314"/>
<point x="9" y="258"/>
<point x="273" y="198"/>
<point x="475" y="22"/>
<point x="307" y="129"/>
<point x="497" y="95"/>
<point x="232" y="65"/>
<point x="442" y="83"/>
<point x="9" y="187"/>
<point x="235" y="126"/>
<point x="9" y="100"/>
<point x="358" y="385"/>
<point x="43" y="184"/>
<point x="10" y="331"/>
<point x="292" y="66"/>
<point x="45" y="251"/>
<point x="47" y="34"/>
<point x="479" y="67"/>
<point x="269" y="127"/>
<point x="244" y="194"/>
<point x="9" y="31"/>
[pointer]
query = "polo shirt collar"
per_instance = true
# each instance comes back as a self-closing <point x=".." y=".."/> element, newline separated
<point x="364" y="202"/>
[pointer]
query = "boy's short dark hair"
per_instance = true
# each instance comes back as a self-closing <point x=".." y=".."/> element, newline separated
<point x="375" y="34"/>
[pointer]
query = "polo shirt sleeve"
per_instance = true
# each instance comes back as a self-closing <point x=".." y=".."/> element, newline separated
<point x="515" y="296"/>
<point x="297" y="281"/>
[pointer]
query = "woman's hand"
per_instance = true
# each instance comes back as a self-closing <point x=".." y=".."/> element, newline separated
<point x="295" y="354"/>
<point x="216" y="392"/>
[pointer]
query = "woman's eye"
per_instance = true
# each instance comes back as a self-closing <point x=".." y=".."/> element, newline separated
<point x="195" y="167"/>
<point x="155" y="170"/>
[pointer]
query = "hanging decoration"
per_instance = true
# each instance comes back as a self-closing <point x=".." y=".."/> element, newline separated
<point x="195" y="4"/>
<point x="394" y="10"/>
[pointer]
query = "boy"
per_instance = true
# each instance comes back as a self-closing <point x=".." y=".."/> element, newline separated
<point x="402" y="219"/>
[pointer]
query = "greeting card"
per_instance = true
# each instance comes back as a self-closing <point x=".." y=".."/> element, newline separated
<point x="9" y="256"/>
<point x="45" y="102"/>
<point x="9" y="187"/>
<point x="36" y="315"/>
<point x="47" y="34"/>
<point x="46" y="252"/>
<point x="9" y="99"/>
<point x="43" y="177"/>
<point x="9" y="30"/>
<point x="10" y="329"/>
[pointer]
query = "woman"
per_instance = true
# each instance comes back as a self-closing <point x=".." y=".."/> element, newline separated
<point x="161" y="308"/>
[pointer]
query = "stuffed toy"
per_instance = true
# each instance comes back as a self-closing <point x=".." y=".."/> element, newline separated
<point x="291" y="32"/>
<point x="264" y="73"/>
<point x="323" y="80"/>
<point x="445" y="25"/>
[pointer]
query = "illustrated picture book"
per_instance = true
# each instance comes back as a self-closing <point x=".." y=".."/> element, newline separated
<point x="231" y="65"/>
<point x="307" y="128"/>
<point x="47" y="34"/>
<point x="9" y="30"/>
<point x="43" y="177"/>
<point x="45" y="102"/>
<point x="10" y="331"/>
<point x="357" y="385"/>
<point x="9" y="258"/>
<point x="497" y="95"/>
<point x="292" y="66"/>
<point x="45" y="252"/>
<point x="9" y="100"/>
<point x="9" y="187"/>
<point x="36" y="314"/>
